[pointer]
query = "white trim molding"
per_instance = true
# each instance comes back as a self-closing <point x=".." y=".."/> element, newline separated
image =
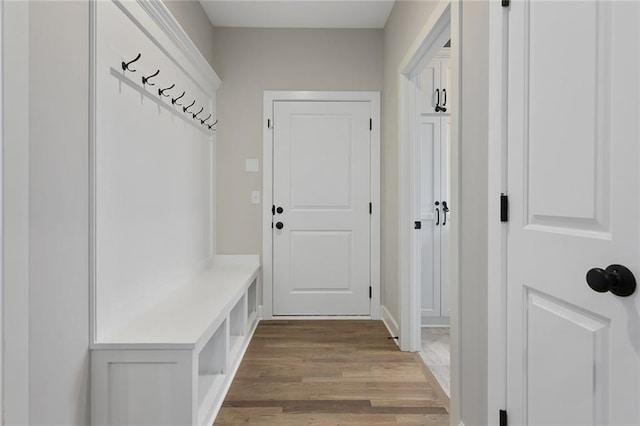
<point x="497" y="231"/>
<point x="390" y="322"/>
<point x="267" y="187"/>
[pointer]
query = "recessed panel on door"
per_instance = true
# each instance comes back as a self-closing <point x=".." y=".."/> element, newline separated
<point x="321" y="161"/>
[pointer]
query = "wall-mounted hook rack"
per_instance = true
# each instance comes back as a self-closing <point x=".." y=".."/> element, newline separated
<point x="125" y="65"/>
<point x="195" y="116"/>
<point x="161" y="91"/>
<point x="145" y="80"/>
<point x="173" y="100"/>
<point x="186" y="108"/>
<point x="202" y="121"/>
<point x="212" y="124"/>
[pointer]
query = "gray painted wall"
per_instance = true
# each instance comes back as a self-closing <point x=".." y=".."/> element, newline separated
<point x="194" y="21"/>
<point x="58" y="213"/>
<point x="250" y="61"/>
<point x="473" y="211"/>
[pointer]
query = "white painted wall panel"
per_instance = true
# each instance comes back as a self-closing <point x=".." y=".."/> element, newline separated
<point x="153" y="166"/>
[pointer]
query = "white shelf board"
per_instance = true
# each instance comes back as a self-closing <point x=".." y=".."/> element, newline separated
<point x="191" y="314"/>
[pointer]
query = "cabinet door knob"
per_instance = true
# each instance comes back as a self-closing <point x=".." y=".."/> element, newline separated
<point x="279" y="225"/>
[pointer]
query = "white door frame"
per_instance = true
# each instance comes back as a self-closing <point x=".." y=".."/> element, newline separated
<point x="267" y="188"/>
<point x="443" y="22"/>
<point x="497" y="231"/>
<point x="1" y="217"/>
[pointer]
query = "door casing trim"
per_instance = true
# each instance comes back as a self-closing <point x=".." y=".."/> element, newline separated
<point x="269" y="98"/>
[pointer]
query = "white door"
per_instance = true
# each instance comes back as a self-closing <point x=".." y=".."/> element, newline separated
<point x="430" y="214"/>
<point x="321" y="193"/>
<point x="434" y="213"/>
<point x="434" y="85"/>
<point x="573" y="353"/>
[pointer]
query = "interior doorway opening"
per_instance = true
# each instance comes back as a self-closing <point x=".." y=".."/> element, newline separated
<point x="429" y="123"/>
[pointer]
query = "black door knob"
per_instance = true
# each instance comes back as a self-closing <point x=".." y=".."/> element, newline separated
<point x="279" y="225"/>
<point x="617" y="279"/>
<point x="279" y="210"/>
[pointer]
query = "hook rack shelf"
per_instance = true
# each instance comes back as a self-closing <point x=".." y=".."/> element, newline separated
<point x="170" y="107"/>
<point x="161" y="93"/>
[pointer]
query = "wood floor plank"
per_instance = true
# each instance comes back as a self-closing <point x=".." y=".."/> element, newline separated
<point x="329" y="373"/>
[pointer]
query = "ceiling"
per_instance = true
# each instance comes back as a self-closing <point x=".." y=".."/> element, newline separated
<point x="298" y="13"/>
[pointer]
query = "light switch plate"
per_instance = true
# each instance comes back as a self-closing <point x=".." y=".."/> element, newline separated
<point x="252" y="165"/>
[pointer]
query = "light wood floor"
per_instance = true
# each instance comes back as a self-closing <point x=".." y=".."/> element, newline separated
<point x="331" y="373"/>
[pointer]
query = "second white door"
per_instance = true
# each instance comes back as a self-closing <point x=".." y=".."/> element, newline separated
<point x="321" y="194"/>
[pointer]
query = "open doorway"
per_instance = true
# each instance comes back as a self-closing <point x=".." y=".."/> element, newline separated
<point x="432" y="213"/>
<point x="429" y="94"/>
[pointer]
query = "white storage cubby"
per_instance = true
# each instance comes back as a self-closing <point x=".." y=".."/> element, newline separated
<point x="212" y="366"/>
<point x="237" y="330"/>
<point x="173" y="364"/>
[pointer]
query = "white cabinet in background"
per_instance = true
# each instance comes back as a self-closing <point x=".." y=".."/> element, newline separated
<point x="434" y="218"/>
<point x="436" y="97"/>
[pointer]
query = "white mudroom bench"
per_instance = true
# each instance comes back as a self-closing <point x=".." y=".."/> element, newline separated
<point x="173" y="364"/>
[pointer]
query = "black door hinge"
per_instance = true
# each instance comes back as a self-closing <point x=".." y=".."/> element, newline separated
<point x="506" y="3"/>
<point x="268" y="123"/>
<point x="417" y="224"/>
<point x="504" y="208"/>
<point x="371" y="124"/>
<point x="370" y="208"/>
<point x="370" y="292"/>
<point x="503" y="417"/>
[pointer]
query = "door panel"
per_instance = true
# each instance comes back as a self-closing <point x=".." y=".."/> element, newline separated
<point x="430" y="81"/>
<point x="322" y="183"/>
<point x="582" y="364"/>
<point x="569" y="138"/>
<point x="573" y="354"/>
<point x="429" y="166"/>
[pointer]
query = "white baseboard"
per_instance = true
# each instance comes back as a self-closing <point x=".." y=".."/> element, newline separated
<point x="390" y="322"/>
<point x="260" y="312"/>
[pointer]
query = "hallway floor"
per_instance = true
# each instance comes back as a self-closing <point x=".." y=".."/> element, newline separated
<point x="329" y="373"/>
<point x="435" y="352"/>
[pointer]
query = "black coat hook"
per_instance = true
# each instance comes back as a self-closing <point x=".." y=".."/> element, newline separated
<point x="186" y="109"/>
<point x="173" y="100"/>
<point x="161" y="91"/>
<point x="145" y="80"/>
<point x="125" y="65"/>
<point x="202" y="121"/>
<point x="198" y="113"/>
<point x="212" y="124"/>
